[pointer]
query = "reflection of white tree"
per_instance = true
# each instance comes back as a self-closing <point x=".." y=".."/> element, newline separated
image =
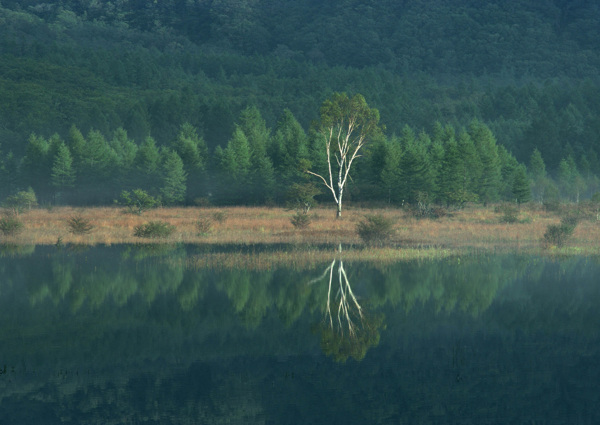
<point x="344" y="312"/>
<point x="348" y="308"/>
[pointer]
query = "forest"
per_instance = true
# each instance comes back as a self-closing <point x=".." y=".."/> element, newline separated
<point x="215" y="101"/>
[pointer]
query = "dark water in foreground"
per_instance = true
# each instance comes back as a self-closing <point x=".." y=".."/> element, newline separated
<point x="122" y="335"/>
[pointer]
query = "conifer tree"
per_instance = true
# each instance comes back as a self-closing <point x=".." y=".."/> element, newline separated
<point x="234" y="168"/>
<point x="538" y="176"/>
<point x="193" y="151"/>
<point x="236" y="156"/>
<point x="288" y="148"/>
<point x="173" y="178"/>
<point x="390" y="173"/>
<point x="262" y="180"/>
<point x="147" y="164"/>
<point x="450" y="179"/>
<point x="521" y="188"/>
<point x="63" y="174"/>
<point x="471" y="168"/>
<point x="76" y="144"/>
<point x="485" y="143"/>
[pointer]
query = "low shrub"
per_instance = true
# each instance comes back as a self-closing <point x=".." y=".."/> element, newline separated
<point x="552" y="205"/>
<point x="23" y="200"/>
<point x="137" y="201"/>
<point x="204" y="226"/>
<point x="10" y="225"/>
<point x="301" y="220"/>
<point x="510" y="213"/>
<point x="154" y="230"/>
<point x="375" y="229"/>
<point x="219" y="216"/>
<point x="79" y="225"/>
<point x="559" y="234"/>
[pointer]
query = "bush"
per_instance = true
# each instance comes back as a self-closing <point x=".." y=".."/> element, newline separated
<point x="375" y="229"/>
<point x="552" y="205"/>
<point x="301" y="220"/>
<point x="137" y="201"/>
<point x="20" y="201"/>
<point x="558" y="234"/>
<point x="10" y="225"/>
<point x="204" y="226"/>
<point x="79" y="225"/>
<point x="510" y="213"/>
<point x="220" y="216"/>
<point x="154" y="229"/>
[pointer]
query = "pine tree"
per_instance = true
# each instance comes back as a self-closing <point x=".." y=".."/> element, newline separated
<point x="194" y="153"/>
<point x="76" y="144"/>
<point x="147" y="165"/>
<point x="521" y="188"/>
<point x="490" y="179"/>
<point x="537" y="167"/>
<point x="262" y="180"/>
<point x="508" y="167"/>
<point x="471" y="168"/>
<point x="539" y="178"/>
<point x="288" y="148"/>
<point x="450" y="180"/>
<point x="390" y="174"/>
<point x="173" y="178"/>
<point x="413" y="171"/>
<point x="36" y="164"/>
<point x="63" y="174"/>
<point x="236" y="156"/>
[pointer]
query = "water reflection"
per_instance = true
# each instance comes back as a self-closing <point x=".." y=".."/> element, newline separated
<point x="353" y="331"/>
<point x="126" y="332"/>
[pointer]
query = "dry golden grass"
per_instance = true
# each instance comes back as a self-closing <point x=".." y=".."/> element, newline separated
<point x="475" y="228"/>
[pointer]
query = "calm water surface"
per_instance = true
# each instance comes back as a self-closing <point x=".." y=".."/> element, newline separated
<point x="126" y="335"/>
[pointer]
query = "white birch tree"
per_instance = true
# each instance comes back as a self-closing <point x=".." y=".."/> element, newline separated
<point x="346" y="125"/>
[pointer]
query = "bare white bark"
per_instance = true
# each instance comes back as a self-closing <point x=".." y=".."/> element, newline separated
<point x="348" y="307"/>
<point x="347" y="125"/>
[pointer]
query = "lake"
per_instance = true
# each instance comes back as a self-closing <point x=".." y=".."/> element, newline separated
<point x="134" y="335"/>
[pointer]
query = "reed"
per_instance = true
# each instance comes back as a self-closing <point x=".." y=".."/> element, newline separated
<point x="475" y="228"/>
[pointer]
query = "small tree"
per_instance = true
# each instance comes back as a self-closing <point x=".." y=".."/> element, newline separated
<point x="137" y="201"/>
<point x="20" y="201"/>
<point x="10" y="225"/>
<point x="79" y="225"/>
<point x="375" y="229"/>
<point x="154" y="230"/>
<point x="558" y="234"/>
<point x="346" y="125"/>
<point x="301" y="196"/>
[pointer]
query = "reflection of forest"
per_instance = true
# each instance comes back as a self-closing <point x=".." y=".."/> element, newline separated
<point x="107" y="322"/>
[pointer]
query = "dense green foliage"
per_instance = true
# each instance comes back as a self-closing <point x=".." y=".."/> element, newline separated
<point x="154" y="230"/>
<point x="99" y="97"/>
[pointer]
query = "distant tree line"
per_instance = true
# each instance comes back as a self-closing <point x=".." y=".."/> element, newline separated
<point x="261" y="165"/>
<point x="529" y="72"/>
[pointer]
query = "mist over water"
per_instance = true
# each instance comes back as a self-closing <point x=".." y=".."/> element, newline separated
<point x="130" y="335"/>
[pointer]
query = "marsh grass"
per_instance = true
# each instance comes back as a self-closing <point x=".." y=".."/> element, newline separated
<point x="474" y="228"/>
<point x="204" y="226"/>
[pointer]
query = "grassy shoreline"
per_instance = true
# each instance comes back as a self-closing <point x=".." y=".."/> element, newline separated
<point x="472" y="229"/>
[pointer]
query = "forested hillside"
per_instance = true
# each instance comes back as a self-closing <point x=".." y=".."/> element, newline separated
<point x="119" y="94"/>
